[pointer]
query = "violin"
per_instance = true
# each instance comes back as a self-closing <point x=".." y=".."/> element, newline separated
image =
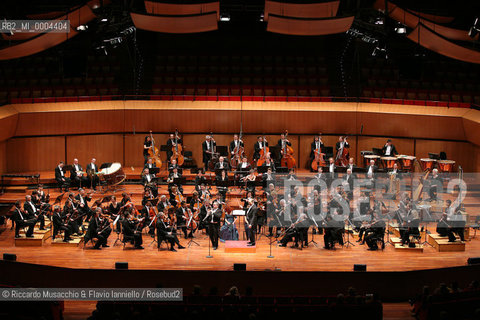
<point x="154" y="153"/>
<point x="287" y="155"/>
<point x="177" y="151"/>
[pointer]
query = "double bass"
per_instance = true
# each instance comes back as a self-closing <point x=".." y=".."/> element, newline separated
<point x="263" y="153"/>
<point x="154" y="153"/>
<point x="214" y="159"/>
<point x="342" y="155"/>
<point x="238" y="153"/>
<point x="177" y="151"/>
<point x="287" y="155"/>
<point x="318" y="161"/>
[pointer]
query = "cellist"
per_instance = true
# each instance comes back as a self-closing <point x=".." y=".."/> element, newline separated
<point x="342" y="148"/>
<point x="171" y="143"/>
<point x="259" y="145"/>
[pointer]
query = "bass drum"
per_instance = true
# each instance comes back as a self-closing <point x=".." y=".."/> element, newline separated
<point x="114" y="174"/>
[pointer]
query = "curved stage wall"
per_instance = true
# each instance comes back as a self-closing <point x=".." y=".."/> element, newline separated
<point x="34" y="137"/>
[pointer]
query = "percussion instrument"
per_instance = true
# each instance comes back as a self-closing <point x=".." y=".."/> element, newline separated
<point x="388" y="162"/>
<point x="445" y="165"/>
<point x="427" y="164"/>
<point x="114" y="174"/>
<point x="406" y="161"/>
<point x="369" y="157"/>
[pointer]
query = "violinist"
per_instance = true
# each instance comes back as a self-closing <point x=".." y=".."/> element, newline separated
<point x="291" y="175"/>
<point x="258" y="146"/>
<point x="148" y="213"/>
<point x="204" y="193"/>
<point x="317" y="144"/>
<point x="275" y="210"/>
<point x="268" y="178"/>
<point x="199" y="179"/>
<point x="76" y="174"/>
<point x="181" y="215"/>
<point x="147" y="144"/>
<point x="222" y="165"/>
<point x="222" y="185"/>
<point x="165" y="233"/>
<point x="163" y="204"/>
<point x="208" y="148"/>
<point x="242" y="169"/>
<point x="204" y="209"/>
<point x="39" y="201"/>
<point x="283" y="142"/>
<point x="410" y="225"/>
<point x="319" y="177"/>
<point x="132" y="230"/>
<point x="147" y="196"/>
<point x="444" y="229"/>
<point x="32" y="212"/>
<point x="195" y="203"/>
<point x="213" y="221"/>
<point x="147" y="178"/>
<point x="171" y="179"/>
<point x="82" y="199"/>
<point x="150" y="164"/>
<point x="334" y="228"/>
<point x="171" y="144"/>
<point x="98" y="229"/>
<point x="176" y="196"/>
<point x="23" y="221"/>
<point x="249" y="181"/>
<point x="60" y="177"/>
<point x="173" y="165"/>
<point x="297" y="231"/>
<point x="59" y="224"/>
<point x="44" y="198"/>
<point x="269" y="163"/>
<point x="125" y="199"/>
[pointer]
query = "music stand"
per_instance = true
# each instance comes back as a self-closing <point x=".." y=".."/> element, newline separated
<point x="154" y="170"/>
<point x="346" y="244"/>
<point x="222" y="151"/>
<point x="282" y="170"/>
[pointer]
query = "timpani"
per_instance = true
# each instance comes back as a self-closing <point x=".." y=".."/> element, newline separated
<point x="406" y="161"/>
<point x="388" y="162"/>
<point x="369" y="157"/>
<point x="427" y="164"/>
<point x="445" y="165"/>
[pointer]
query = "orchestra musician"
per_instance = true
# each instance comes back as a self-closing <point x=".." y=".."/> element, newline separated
<point x="269" y="163"/>
<point x="331" y="170"/>
<point x="268" y="178"/>
<point x="259" y="145"/>
<point x="374" y="233"/>
<point x="298" y="231"/>
<point x="76" y="174"/>
<point x="92" y="171"/>
<point x="173" y="165"/>
<point x="114" y="210"/>
<point x="59" y="224"/>
<point x="147" y="212"/>
<point x="351" y="164"/>
<point x="319" y="177"/>
<point x="249" y="181"/>
<point x="200" y="179"/>
<point x="251" y="222"/>
<point x="371" y="169"/>
<point x="333" y="229"/>
<point x="410" y="225"/>
<point x="175" y="174"/>
<point x="204" y="193"/>
<point x="147" y="144"/>
<point x="282" y="143"/>
<point x="235" y="143"/>
<point x="150" y="181"/>
<point x="181" y="214"/>
<point x="389" y="149"/>
<point x="82" y="199"/>
<point x="163" y="204"/>
<point x="22" y="220"/>
<point x="166" y="233"/>
<point x="222" y="185"/>
<point x="275" y="212"/>
<point x="44" y="198"/>
<point x="98" y="228"/>
<point x="317" y="143"/>
<point x="444" y="229"/>
<point x="222" y="165"/>
<point x="150" y="164"/>
<point x="33" y="212"/>
<point x="242" y="170"/>
<point x="60" y="177"/>
<point x="342" y="144"/>
<point x="132" y="229"/>
<point x="435" y="184"/>
<point x="171" y="144"/>
<point x="208" y="148"/>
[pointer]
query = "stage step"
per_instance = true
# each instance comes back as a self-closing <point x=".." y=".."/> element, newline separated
<point x="441" y="244"/>
<point x="16" y="189"/>
<point x="395" y="240"/>
<point x="47" y="232"/>
<point x="36" y="241"/>
<point x="239" y="247"/>
<point x="75" y="242"/>
<point x="418" y="248"/>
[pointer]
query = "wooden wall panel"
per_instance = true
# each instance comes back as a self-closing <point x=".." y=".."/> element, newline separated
<point x="418" y="126"/>
<point x="105" y="148"/>
<point x="134" y="148"/>
<point x="472" y="131"/>
<point x="3" y="156"/>
<point x="72" y="122"/>
<point x="476" y="157"/>
<point x="8" y="126"/>
<point x="403" y="146"/>
<point x="461" y="152"/>
<point x="34" y="154"/>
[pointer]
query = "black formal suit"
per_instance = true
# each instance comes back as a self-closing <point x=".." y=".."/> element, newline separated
<point x="93" y="179"/>
<point x="128" y="229"/>
<point x="85" y="209"/>
<point x="22" y="221"/>
<point x="93" y="233"/>
<point x="146" y="181"/>
<point x="232" y="145"/>
<point x="267" y="180"/>
<point x="257" y="148"/>
<point x="393" y="151"/>
<point x="337" y="145"/>
<point x="74" y="178"/>
<point x="224" y="166"/>
<point x="214" y="226"/>
<point x="149" y="166"/>
<point x="199" y="181"/>
<point x="32" y="213"/>
<point x="251" y="223"/>
<point x="269" y="165"/>
<point x="207" y="151"/>
<point x="59" y="225"/>
<point x="181" y="213"/>
<point x="313" y="147"/>
<point x="374" y="170"/>
<point x="170" y="145"/>
<point x="61" y="179"/>
<point x="351" y="166"/>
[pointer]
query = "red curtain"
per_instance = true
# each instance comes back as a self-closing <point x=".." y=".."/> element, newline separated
<point x="429" y="39"/>
<point x="304" y="10"/>
<point x="182" y="9"/>
<point x="308" y="27"/>
<point x="176" y="24"/>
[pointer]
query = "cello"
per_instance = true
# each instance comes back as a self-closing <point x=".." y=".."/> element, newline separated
<point x="238" y="153"/>
<point x="287" y="155"/>
<point x="177" y="151"/>
<point x="263" y="153"/>
<point x="342" y="154"/>
<point x="154" y="153"/>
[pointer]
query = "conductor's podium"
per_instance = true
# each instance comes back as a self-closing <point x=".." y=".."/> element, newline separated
<point x="441" y="244"/>
<point x="239" y="247"/>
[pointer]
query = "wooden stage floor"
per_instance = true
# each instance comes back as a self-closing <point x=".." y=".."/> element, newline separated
<point x="313" y="258"/>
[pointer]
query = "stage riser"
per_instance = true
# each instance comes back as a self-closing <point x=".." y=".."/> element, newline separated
<point x="441" y="244"/>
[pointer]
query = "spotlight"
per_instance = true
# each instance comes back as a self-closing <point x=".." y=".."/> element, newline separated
<point x="261" y="17"/>
<point x="474" y="29"/>
<point x="224" y="17"/>
<point x="400" y="29"/>
<point x="82" y="27"/>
